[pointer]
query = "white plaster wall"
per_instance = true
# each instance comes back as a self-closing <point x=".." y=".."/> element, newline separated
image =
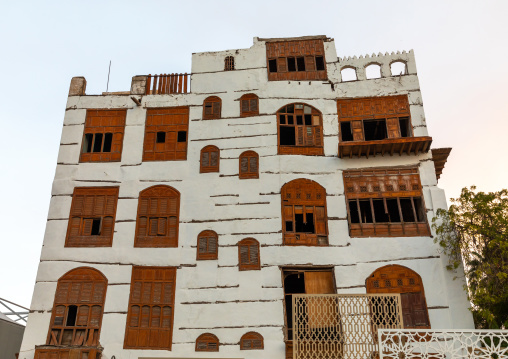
<point x="214" y="296"/>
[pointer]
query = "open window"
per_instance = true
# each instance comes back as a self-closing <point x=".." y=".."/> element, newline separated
<point x="398" y="68"/>
<point x="212" y="108"/>
<point x="229" y="63"/>
<point x="385" y="203"/>
<point x="304" y="218"/>
<point x="207" y="342"/>
<point x="249" y="165"/>
<point x="210" y="159"/>
<point x="300" y="130"/>
<point x="398" y="279"/>
<point x="249" y="105"/>
<point x="103" y="136"/>
<point x="76" y="317"/>
<point x="208" y="245"/>
<point x="157" y="220"/>
<point x="373" y="71"/>
<point x="92" y="217"/>
<point x="348" y="74"/>
<point x="251" y="341"/>
<point x="166" y="134"/>
<point x="248" y="254"/>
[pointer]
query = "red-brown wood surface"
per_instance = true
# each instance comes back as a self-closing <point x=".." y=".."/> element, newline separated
<point x="77" y="310"/>
<point x="248" y="254"/>
<point x="304" y="197"/>
<point x="207" y="246"/>
<point x="373" y="107"/>
<point x="248" y="165"/>
<point x="151" y="308"/>
<point x="48" y="352"/>
<point x="158" y="217"/>
<point x="103" y="122"/>
<point x="398" y="279"/>
<point x="212" y="108"/>
<point x="169" y="122"/>
<point x="209" y="159"/>
<point x="252" y="341"/>
<point x="249" y="105"/>
<point x="92" y="205"/>
<point x="167" y="84"/>
<point x="390" y="146"/>
<point x="207" y="342"/>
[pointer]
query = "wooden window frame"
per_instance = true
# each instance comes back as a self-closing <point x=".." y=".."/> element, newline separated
<point x="249" y="171"/>
<point x="82" y="287"/>
<point x="305" y="196"/>
<point x="216" y="108"/>
<point x="411" y="284"/>
<point x="85" y="208"/>
<point x="229" y="63"/>
<point x="248" y="341"/>
<point x="392" y="183"/>
<point x="148" y="336"/>
<point x="210" y="253"/>
<point x="208" y="166"/>
<point x="163" y="196"/>
<point x="172" y="121"/>
<point x="104" y="122"/>
<point x="209" y="340"/>
<point x="249" y="105"/>
<point x="308" y="137"/>
<point x="249" y="244"/>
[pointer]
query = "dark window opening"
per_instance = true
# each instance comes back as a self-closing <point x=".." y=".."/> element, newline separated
<point x="289" y="226"/>
<point x="308" y="120"/>
<point x="393" y="210"/>
<point x="299" y="119"/>
<point x="291" y="120"/>
<point x="404" y="127"/>
<point x="96" y="227"/>
<point x="346" y="132"/>
<point x="374" y="130"/>
<point x="282" y="119"/>
<point x="87" y="143"/>
<point x="300" y="61"/>
<point x="365" y="211"/>
<point x="161" y="137"/>
<point x="353" y="212"/>
<point x="108" y="140"/>
<point x="407" y="209"/>
<point x="293" y="284"/>
<point x="291" y="64"/>
<point x="272" y="65"/>
<point x="304" y="224"/>
<point x="420" y="210"/>
<point x="320" y="63"/>
<point x="290" y="108"/>
<point x="97" y="144"/>
<point x="379" y="211"/>
<point x="182" y="136"/>
<point x="72" y="313"/>
<point x="287" y="136"/>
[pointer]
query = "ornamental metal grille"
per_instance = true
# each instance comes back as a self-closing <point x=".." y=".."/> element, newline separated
<point x="342" y="326"/>
<point x="443" y="344"/>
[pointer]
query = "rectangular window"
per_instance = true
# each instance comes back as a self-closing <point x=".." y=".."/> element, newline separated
<point x="166" y="134"/>
<point x="151" y="308"/>
<point x="385" y="203"/>
<point x="103" y="136"/>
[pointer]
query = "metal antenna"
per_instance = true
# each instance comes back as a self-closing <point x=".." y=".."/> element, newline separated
<point x="109" y="71"/>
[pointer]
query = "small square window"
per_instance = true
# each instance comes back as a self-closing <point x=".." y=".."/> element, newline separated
<point x="182" y="136"/>
<point x="161" y="137"/>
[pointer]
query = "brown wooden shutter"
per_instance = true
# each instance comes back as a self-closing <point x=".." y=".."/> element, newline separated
<point x="212" y="108"/>
<point x="207" y="248"/>
<point x="210" y="159"/>
<point x="249" y="165"/>
<point x="392" y="125"/>
<point x="357" y="127"/>
<point x="207" y="342"/>
<point x="321" y="314"/>
<point x="251" y="341"/>
<point x="317" y="282"/>
<point x="249" y="105"/>
<point x="248" y="254"/>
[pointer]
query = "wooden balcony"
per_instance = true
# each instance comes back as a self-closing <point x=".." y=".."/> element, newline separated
<point x="167" y="84"/>
<point x="391" y="146"/>
<point x="52" y="352"/>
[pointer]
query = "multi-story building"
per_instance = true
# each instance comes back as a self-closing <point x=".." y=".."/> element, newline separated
<point x="206" y="215"/>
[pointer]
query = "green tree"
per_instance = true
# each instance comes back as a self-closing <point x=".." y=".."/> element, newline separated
<point x="474" y="232"/>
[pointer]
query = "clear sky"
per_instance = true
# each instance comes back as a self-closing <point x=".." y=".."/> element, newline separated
<point x="461" y="55"/>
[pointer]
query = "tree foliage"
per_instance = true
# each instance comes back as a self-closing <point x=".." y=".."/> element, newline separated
<point x="474" y="232"/>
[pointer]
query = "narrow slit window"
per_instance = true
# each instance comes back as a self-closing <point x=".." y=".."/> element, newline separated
<point x="72" y="312"/>
<point x="87" y="143"/>
<point x="291" y="64"/>
<point x="272" y="65"/>
<point x="320" y="63"/>
<point x="182" y="136"/>
<point x="300" y="61"/>
<point x="346" y="131"/>
<point x="96" y="227"/>
<point x="97" y="143"/>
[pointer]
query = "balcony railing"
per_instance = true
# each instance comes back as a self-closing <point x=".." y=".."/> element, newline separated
<point x="51" y="352"/>
<point x="342" y="326"/>
<point x="167" y="84"/>
<point x="447" y="343"/>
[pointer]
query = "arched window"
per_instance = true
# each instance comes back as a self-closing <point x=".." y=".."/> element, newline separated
<point x="207" y="342"/>
<point x="398" y="279"/>
<point x="210" y="158"/>
<point x="304" y="218"/>
<point x="248" y="254"/>
<point x="212" y="108"/>
<point x="300" y="130"/>
<point x="373" y="71"/>
<point x="249" y="105"/>
<point x="229" y="63"/>
<point x="157" y="221"/>
<point x="77" y="310"/>
<point x="348" y="74"/>
<point x="398" y="68"/>
<point x="249" y="165"/>
<point x="208" y="244"/>
<point x="251" y="340"/>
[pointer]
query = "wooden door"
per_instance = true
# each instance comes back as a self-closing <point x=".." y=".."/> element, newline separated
<point x="321" y="311"/>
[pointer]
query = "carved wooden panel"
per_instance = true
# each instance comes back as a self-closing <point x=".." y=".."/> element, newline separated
<point x="207" y="246"/>
<point x="151" y="308"/>
<point x="249" y="105"/>
<point x="398" y="279"/>
<point x="251" y="341"/>
<point x="373" y="107"/>
<point x="166" y="134"/>
<point x="210" y="159"/>
<point x="158" y="217"/>
<point x="92" y="217"/>
<point x="103" y="136"/>
<point x="212" y="108"/>
<point x="248" y="165"/>
<point x="207" y="342"/>
<point x="77" y="310"/>
<point x="248" y="254"/>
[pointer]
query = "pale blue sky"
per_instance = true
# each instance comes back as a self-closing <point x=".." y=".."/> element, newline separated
<point x="460" y="46"/>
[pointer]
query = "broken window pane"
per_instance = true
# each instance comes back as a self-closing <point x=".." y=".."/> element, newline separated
<point x="282" y="119"/>
<point x="96" y="227"/>
<point x="108" y="140"/>
<point x="87" y="143"/>
<point x="97" y="145"/>
<point x="420" y="210"/>
<point x="345" y="131"/>
<point x="374" y="130"/>
<point x="404" y="127"/>
<point x="393" y="210"/>
<point x="287" y="136"/>
<point x="353" y="212"/>
<point x="308" y="120"/>
<point x="301" y="63"/>
<point x="407" y="210"/>
<point x="71" y="316"/>
<point x="291" y="64"/>
<point x="365" y="211"/>
<point x="320" y="63"/>
<point x="272" y="65"/>
<point x="380" y="214"/>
